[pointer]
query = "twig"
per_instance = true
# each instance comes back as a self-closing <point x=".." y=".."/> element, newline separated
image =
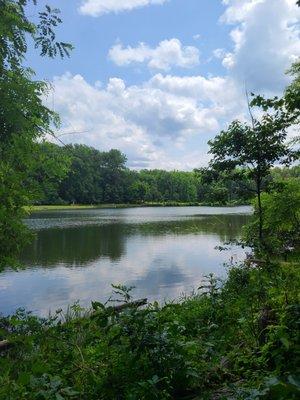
<point x="4" y="344"/>
<point x="249" y="108"/>
<point x="136" y="303"/>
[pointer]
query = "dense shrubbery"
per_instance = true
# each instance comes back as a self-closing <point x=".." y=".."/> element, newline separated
<point x="237" y="340"/>
<point x="281" y="219"/>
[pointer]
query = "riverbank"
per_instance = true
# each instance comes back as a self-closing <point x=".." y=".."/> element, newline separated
<point x="234" y="341"/>
<point x="58" y="207"/>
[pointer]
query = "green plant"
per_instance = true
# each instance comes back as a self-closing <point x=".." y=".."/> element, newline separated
<point x="224" y="341"/>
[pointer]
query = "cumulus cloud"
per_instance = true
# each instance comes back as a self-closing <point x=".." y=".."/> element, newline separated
<point x="265" y="38"/>
<point x="150" y="122"/>
<point x="219" y="91"/>
<point x="168" y="53"/>
<point x="165" y="122"/>
<point x="96" y="8"/>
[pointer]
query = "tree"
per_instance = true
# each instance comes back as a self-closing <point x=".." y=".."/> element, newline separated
<point x="113" y="172"/>
<point x="256" y="147"/>
<point x="281" y="223"/>
<point x="52" y="164"/>
<point x="23" y="117"/>
<point x="94" y="176"/>
<point x="222" y="187"/>
<point x="292" y="93"/>
<point x="139" y="191"/>
<point x="279" y="174"/>
<point x="83" y="183"/>
<point x="285" y="110"/>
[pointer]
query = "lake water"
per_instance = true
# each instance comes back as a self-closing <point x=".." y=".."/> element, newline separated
<point x="163" y="252"/>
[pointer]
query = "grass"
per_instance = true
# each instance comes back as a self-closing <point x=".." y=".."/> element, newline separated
<point x="36" y="208"/>
<point x="233" y="341"/>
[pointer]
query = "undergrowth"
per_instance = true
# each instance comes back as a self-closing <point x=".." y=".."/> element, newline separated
<point x="236" y="340"/>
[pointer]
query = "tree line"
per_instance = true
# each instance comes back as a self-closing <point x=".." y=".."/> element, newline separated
<point x="78" y="174"/>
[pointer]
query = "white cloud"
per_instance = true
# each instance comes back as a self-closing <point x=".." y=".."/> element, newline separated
<point x="219" y="91"/>
<point x="166" y="121"/>
<point x="96" y="8"/>
<point x="152" y="123"/>
<point x="266" y="40"/>
<point x="168" y="53"/>
<point x="237" y="10"/>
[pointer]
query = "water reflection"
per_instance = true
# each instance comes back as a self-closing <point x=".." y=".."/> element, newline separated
<point x="81" y="245"/>
<point x="78" y="255"/>
<point x="160" y="277"/>
<point x="75" y="246"/>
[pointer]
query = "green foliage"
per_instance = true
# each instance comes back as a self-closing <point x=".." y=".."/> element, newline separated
<point x="235" y="340"/>
<point x="292" y="93"/>
<point x="285" y="111"/>
<point x="279" y="174"/>
<point x="258" y="146"/>
<point x="168" y="186"/>
<point x="52" y="165"/>
<point x="23" y="117"/>
<point x="78" y="174"/>
<point x="273" y="388"/>
<point x="281" y="222"/>
<point x="44" y="34"/>
<point x="95" y="177"/>
<point x="15" y="26"/>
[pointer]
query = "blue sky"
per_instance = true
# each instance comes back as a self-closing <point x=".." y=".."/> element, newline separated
<point x="93" y="37"/>
<point x="158" y="78"/>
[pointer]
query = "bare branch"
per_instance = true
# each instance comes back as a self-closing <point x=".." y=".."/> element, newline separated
<point x="249" y="108"/>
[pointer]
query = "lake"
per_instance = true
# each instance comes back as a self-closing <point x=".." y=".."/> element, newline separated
<point x="162" y="251"/>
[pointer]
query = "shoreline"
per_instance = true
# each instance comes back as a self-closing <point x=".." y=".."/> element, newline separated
<point x="36" y="208"/>
<point x="194" y="334"/>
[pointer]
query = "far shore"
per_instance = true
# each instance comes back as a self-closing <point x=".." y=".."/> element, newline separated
<point x="35" y="208"/>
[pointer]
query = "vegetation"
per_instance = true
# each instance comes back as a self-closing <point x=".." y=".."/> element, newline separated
<point x="234" y="340"/>
<point x="256" y="147"/>
<point x="23" y="117"/>
<point x="78" y="174"/>
<point x="281" y="219"/>
<point x="45" y="207"/>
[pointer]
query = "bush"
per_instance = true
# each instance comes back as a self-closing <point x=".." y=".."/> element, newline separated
<point x="224" y="340"/>
<point x="281" y="219"/>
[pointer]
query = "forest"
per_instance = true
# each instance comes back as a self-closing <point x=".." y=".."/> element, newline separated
<point x="78" y="174"/>
<point x="235" y="338"/>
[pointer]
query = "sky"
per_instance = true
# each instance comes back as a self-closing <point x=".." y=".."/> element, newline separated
<point x="157" y="79"/>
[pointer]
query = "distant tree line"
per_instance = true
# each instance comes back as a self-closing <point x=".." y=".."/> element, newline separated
<point x="83" y="175"/>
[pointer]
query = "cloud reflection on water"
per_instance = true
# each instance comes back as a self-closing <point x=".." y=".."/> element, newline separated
<point x="161" y="258"/>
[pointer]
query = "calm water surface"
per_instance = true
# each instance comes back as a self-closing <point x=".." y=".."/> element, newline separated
<point x="163" y="252"/>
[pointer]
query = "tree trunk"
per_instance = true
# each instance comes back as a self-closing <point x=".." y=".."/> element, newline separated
<point x="260" y="213"/>
<point x="260" y="229"/>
